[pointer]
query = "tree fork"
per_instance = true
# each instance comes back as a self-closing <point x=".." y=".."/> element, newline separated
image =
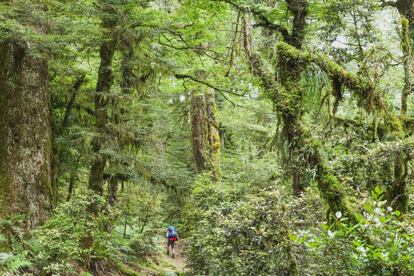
<point x="329" y="186"/>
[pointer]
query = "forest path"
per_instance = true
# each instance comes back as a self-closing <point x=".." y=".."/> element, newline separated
<point x="171" y="266"/>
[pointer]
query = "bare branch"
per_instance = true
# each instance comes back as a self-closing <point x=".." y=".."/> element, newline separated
<point x="183" y="76"/>
<point x="385" y="3"/>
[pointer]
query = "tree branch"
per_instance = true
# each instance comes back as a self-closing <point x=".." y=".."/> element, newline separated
<point x="184" y="76"/>
<point x="364" y="89"/>
<point x="275" y="27"/>
<point x="388" y="3"/>
<point x="88" y="110"/>
<point x="75" y="90"/>
<point x="264" y="21"/>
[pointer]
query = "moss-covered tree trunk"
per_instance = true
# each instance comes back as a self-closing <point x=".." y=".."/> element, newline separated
<point x="408" y="64"/>
<point x="25" y="131"/>
<point x="287" y="96"/>
<point x="199" y="131"/>
<point x="205" y="133"/>
<point x="103" y="87"/>
<point x="289" y="74"/>
<point x="397" y="193"/>
<point x="214" y="143"/>
<point x="127" y="84"/>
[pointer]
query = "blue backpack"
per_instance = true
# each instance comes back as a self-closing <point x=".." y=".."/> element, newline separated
<point x="172" y="233"/>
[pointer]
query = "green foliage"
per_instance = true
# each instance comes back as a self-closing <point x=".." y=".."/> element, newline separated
<point x="64" y="239"/>
<point x="265" y="231"/>
<point x="238" y="230"/>
<point x="379" y="244"/>
<point x="14" y="264"/>
<point x="73" y="239"/>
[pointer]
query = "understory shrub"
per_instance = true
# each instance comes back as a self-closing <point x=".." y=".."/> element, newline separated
<point x="265" y="231"/>
<point x="240" y="233"/>
<point x="379" y="244"/>
<point x="75" y="241"/>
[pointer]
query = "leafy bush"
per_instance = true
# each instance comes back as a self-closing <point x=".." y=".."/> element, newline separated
<point x="74" y="240"/>
<point x="142" y="244"/>
<point x="379" y="244"/>
<point x="265" y="231"/>
<point x="14" y="258"/>
<point x="70" y="237"/>
<point x="240" y="234"/>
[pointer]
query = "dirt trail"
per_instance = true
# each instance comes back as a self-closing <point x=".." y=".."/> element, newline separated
<point x="177" y="264"/>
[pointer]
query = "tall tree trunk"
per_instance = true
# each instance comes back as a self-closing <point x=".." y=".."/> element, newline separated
<point x="103" y="87"/>
<point x="128" y="81"/>
<point x="408" y="64"/>
<point x="112" y="191"/>
<point x="25" y="131"/>
<point x="199" y="131"/>
<point x="290" y="71"/>
<point x="397" y="194"/>
<point x="214" y="143"/>
<point x="205" y="133"/>
<point x="287" y="99"/>
<point x="59" y="131"/>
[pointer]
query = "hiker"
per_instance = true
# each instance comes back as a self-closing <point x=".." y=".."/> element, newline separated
<point x="172" y="237"/>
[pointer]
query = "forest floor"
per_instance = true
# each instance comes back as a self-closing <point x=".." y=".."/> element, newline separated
<point x="175" y="265"/>
<point x="164" y="265"/>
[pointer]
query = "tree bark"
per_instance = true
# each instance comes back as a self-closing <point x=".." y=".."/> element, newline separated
<point x="398" y="194"/>
<point x="25" y="131"/>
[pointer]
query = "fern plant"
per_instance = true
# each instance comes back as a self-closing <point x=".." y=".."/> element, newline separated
<point x="14" y="264"/>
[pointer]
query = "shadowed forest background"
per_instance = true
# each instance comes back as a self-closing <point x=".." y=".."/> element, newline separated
<point x="276" y="135"/>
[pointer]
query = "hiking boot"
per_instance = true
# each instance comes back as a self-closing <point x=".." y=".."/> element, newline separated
<point x="173" y="256"/>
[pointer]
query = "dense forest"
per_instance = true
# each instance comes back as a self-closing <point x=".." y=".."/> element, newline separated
<point x="275" y="135"/>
